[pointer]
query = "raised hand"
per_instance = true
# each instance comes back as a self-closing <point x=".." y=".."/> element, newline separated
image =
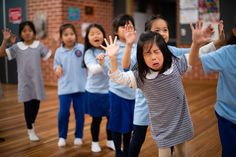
<point x="221" y="38"/>
<point x="130" y="34"/>
<point x="111" y="48"/>
<point x="201" y="36"/>
<point x="13" y="39"/>
<point x="6" y="34"/>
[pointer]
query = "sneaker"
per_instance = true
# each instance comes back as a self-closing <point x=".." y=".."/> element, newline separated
<point x="110" y="144"/>
<point x="95" y="147"/>
<point x="61" y="142"/>
<point x="78" y="141"/>
<point x="32" y="135"/>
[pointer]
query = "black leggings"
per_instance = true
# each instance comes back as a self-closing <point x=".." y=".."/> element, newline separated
<point x="116" y="136"/>
<point x="31" y="109"/>
<point x="137" y="140"/>
<point x="95" y="128"/>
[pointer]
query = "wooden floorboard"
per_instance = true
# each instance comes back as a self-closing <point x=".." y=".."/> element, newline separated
<point x="201" y="96"/>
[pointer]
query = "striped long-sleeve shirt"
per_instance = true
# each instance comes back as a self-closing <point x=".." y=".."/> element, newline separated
<point x="168" y="109"/>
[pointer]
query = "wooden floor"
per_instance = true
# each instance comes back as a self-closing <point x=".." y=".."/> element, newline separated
<point x="201" y="97"/>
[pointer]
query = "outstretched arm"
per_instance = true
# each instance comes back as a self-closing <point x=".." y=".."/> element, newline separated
<point x="199" y="37"/>
<point x="124" y="78"/>
<point x="6" y="37"/>
<point x="112" y="50"/>
<point x="212" y="46"/>
<point x="130" y="37"/>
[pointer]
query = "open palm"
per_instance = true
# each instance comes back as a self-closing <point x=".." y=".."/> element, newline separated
<point x="130" y="34"/>
<point x="112" y="47"/>
<point x="199" y="35"/>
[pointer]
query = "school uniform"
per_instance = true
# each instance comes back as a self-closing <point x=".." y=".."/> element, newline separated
<point x="71" y="88"/>
<point x="28" y="58"/>
<point x="122" y="99"/>
<point x="223" y="62"/>
<point x="97" y="85"/>
<point x="141" y="107"/>
<point x="170" y="123"/>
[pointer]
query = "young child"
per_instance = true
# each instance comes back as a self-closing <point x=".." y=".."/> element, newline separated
<point x="28" y="53"/>
<point x="160" y="25"/>
<point x="97" y="84"/>
<point x="156" y="23"/>
<point x="223" y="62"/>
<point x="159" y="77"/>
<point x="71" y="83"/>
<point x="122" y="98"/>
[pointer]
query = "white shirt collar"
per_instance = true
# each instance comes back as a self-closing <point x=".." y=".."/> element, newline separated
<point x="22" y="46"/>
<point x="153" y="74"/>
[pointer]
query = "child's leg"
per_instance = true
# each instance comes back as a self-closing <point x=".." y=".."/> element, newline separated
<point x="180" y="150"/>
<point x="95" y="128"/>
<point x="36" y="104"/>
<point x="63" y="115"/>
<point x="227" y="132"/>
<point x="28" y="110"/>
<point x="79" y="114"/>
<point x="126" y="141"/>
<point x="109" y="135"/>
<point x="137" y="140"/>
<point x="116" y="136"/>
<point x="164" y="152"/>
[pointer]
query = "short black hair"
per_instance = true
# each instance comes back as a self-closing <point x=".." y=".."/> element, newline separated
<point x="22" y="26"/>
<point x="64" y="27"/>
<point x="149" y="22"/>
<point x="152" y="38"/>
<point x="121" y="20"/>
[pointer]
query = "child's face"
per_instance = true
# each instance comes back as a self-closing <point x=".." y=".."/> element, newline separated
<point x="95" y="37"/>
<point x="68" y="38"/>
<point x="153" y="57"/>
<point x="160" y="26"/>
<point x="121" y="32"/>
<point x="27" y="34"/>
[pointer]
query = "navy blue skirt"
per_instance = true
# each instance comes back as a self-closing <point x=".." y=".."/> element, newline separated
<point x="97" y="105"/>
<point x="122" y="113"/>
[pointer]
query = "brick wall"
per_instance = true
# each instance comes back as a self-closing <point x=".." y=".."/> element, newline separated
<point x="57" y="14"/>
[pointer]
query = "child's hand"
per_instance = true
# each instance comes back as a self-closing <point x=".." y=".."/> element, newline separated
<point x="130" y="34"/>
<point x="112" y="48"/>
<point x="201" y="36"/>
<point x="13" y="39"/>
<point x="221" y="40"/>
<point x="101" y="58"/>
<point x="6" y="34"/>
<point x="59" y="71"/>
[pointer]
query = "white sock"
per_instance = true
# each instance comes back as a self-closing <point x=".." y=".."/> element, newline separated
<point x="32" y="135"/>
<point x="61" y="142"/>
<point x="78" y="141"/>
<point x="95" y="147"/>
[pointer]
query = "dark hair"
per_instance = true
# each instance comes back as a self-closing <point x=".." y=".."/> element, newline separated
<point x="64" y="27"/>
<point x="149" y="22"/>
<point x="152" y="38"/>
<point x="121" y="20"/>
<point x="232" y="38"/>
<point x="87" y="44"/>
<point x="22" y="26"/>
